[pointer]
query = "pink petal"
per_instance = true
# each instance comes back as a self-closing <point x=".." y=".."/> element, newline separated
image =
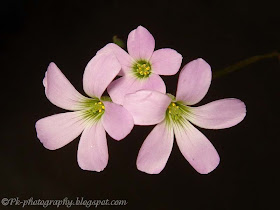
<point x="166" y="61"/>
<point x="123" y="57"/>
<point x="194" y="82"/>
<point x="92" y="149"/>
<point x="154" y="82"/>
<point x="99" y="73"/>
<point x="58" y="130"/>
<point x="117" y="121"/>
<point x="59" y="90"/>
<point x="45" y="82"/>
<point x="147" y="107"/>
<point x="218" y="114"/>
<point x="197" y="149"/>
<point x="128" y="84"/>
<point x="156" y="149"/>
<point x="140" y="43"/>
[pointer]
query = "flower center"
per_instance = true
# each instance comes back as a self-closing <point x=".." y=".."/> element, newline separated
<point x="176" y="113"/>
<point x="93" y="109"/>
<point x="142" y="69"/>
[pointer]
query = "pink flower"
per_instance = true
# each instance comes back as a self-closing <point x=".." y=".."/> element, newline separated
<point x="142" y="66"/>
<point x="174" y="116"/>
<point x="90" y="116"/>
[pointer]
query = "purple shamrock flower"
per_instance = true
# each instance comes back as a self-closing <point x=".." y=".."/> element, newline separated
<point x="174" y="115"/>
<point x="91" y="116"/>
<point x="142" y="66"/>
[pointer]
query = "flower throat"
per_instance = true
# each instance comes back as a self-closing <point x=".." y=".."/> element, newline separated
<point x="142" y="69"/>
<point x="176" y="113"/>
<point x="94" y="109"/>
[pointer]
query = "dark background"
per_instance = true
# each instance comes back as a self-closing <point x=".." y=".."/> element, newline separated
<point x="34" y="33"/>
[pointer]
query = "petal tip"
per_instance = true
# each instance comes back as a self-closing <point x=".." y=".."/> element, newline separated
<point x="141" y="27"/>
<point x="51" y="66"/>
<point x="87" y="168"/>
<point x="210" y="168"/>
<point x="45" y="81"/>
<point x="40" y="136"/>
<point x="242" y="112"/>
<point x="146" y="170"/>
<point x="200" y="60"/>
<point x="140" y="43"/>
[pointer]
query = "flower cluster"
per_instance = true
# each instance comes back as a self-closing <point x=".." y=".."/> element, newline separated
<point x="138" y="97"/>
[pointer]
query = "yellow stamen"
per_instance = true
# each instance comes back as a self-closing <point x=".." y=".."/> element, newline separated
<point x="103" y="107"/>
<point x="99" y="102"/>
<point x="99" y="110"/>
<point x="173" y="104"/>
<point x="148" y="68"/>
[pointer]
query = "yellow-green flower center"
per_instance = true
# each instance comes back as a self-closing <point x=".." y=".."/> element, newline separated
<point x="177" y="112"/>
<point x="174" y="111"/>
<point x="93" y="109"/>
<point x="142" y="69"/>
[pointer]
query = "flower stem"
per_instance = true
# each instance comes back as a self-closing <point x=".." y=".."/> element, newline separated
<point x="118" y="41"/>
<point x="244" y="63"/>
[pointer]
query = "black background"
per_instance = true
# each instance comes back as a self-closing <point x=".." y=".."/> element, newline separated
<point x="34" y="33"/>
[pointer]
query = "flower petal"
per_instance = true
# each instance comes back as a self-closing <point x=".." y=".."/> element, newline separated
<point x="128" y="84"/>
<point x="194" y="82"/>
<point x="92" y="149"/>
<point x="156" y="149"/>
<point x="166" y="61"/>
<point x="123" y="57"/>
<point x="58" y="130"/>
<point x="147" y="107"/>
<point x="218" y="114"/>
<point x="140" y="43"/>
<point x="99" y="73"/>
<point x="196" y="148"/>
<point x="120" y="87"/>
<point x="59" y="90"/>
<point x="117" y="121"/>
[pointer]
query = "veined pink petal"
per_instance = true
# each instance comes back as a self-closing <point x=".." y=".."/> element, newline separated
<point x="166" y="61"/>
<point x="196" y="148"/>
<point x="218" y="114"/>
<point x="99" y="72"/>
<point x="147" y="107"/>
<point x="194" y="82"/>
<point x="140" y="43"/>
<point x="117" y="121"/>
<point x="154" y="82"/>
<point x="156" y="149"/>
<point x="92" y="149"/>
<point x="58" y="130"/>
<point x="128" y="84"/>
<point x="59" y="90"/>
<point x="123" y="57"/>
